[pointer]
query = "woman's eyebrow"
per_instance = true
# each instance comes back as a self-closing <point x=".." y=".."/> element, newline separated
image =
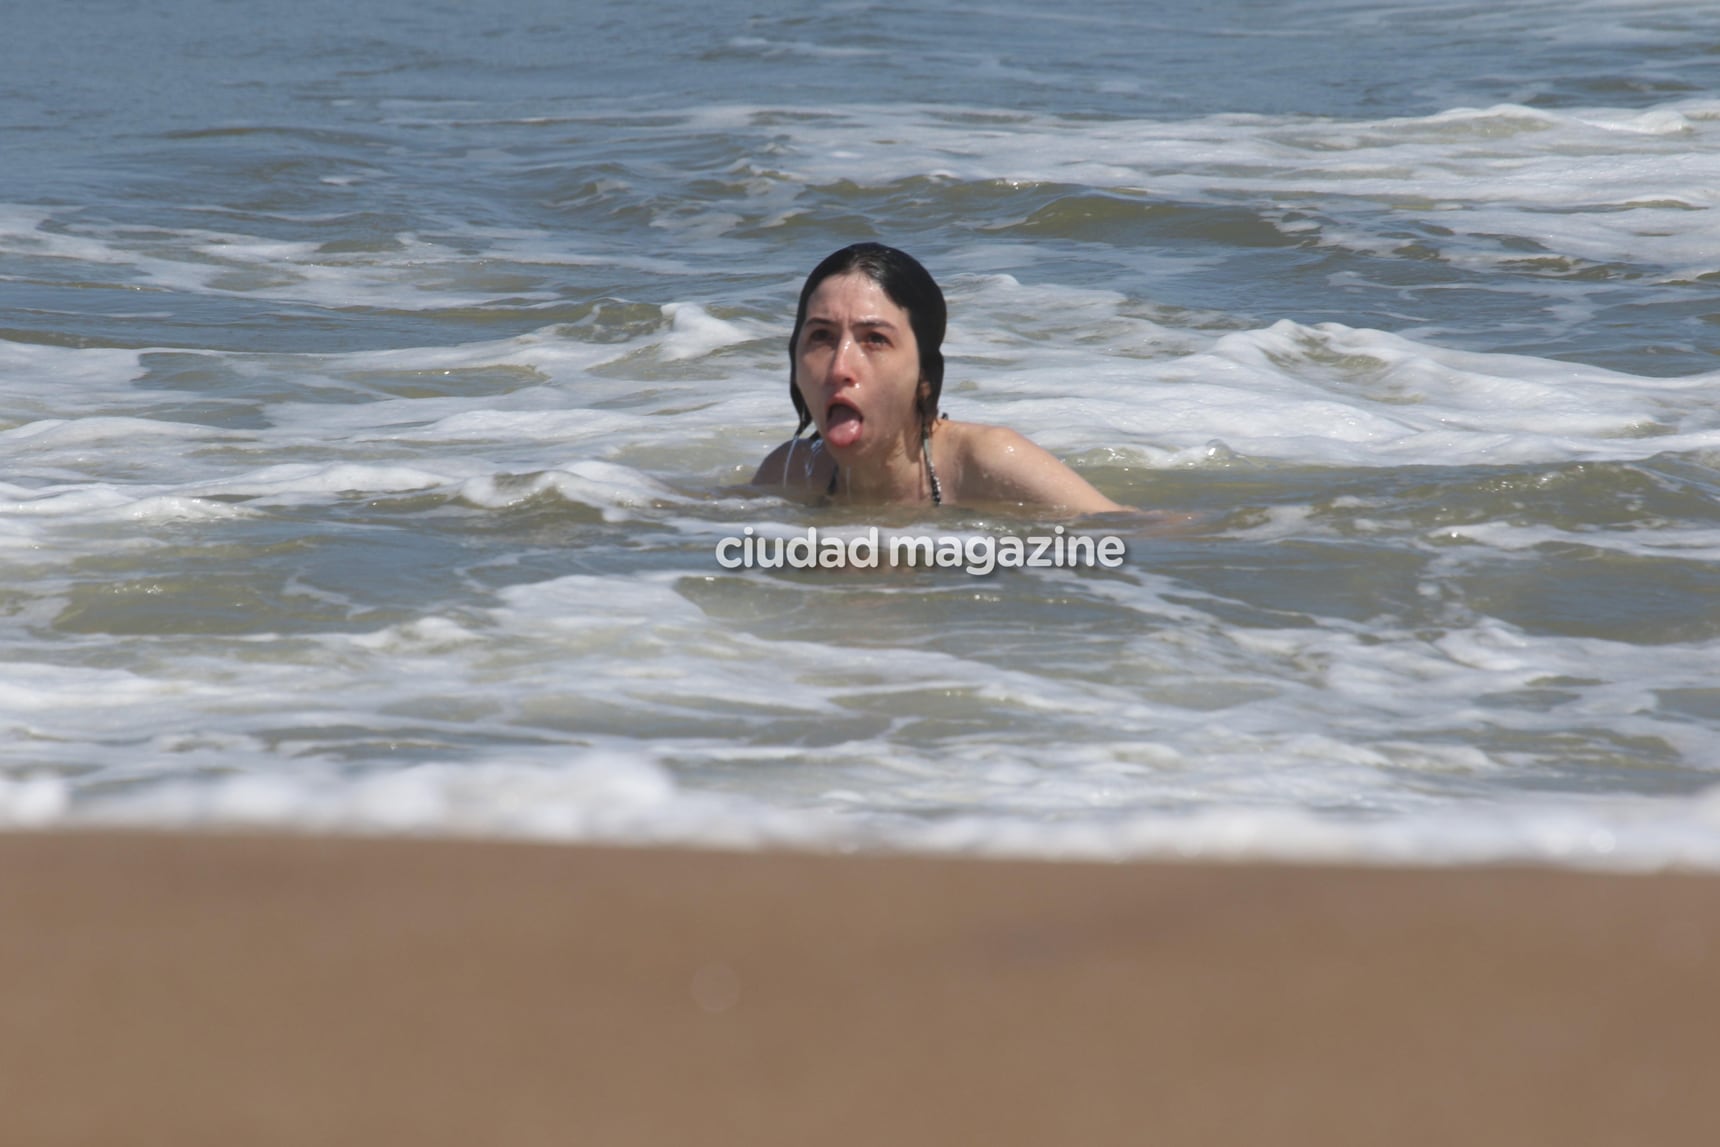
<point x="868" y="321"/>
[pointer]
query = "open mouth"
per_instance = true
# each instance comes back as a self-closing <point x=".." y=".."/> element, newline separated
<point x="843" y="423"/>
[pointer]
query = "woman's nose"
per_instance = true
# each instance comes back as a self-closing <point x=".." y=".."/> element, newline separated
<point x="842" y="361"/>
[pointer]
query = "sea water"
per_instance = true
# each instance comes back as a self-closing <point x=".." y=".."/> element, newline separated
<point x="380" y="381"/>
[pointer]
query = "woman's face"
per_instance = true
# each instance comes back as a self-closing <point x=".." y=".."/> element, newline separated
<point x="857" y="366"/>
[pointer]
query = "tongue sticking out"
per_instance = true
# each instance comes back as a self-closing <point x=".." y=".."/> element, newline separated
<point x="842" y="427"/>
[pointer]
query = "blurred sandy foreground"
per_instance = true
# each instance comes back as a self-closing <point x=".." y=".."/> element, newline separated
<point x="204" y="989"/>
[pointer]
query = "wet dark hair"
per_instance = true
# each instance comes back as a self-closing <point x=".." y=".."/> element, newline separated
<point x="908" y="285"/>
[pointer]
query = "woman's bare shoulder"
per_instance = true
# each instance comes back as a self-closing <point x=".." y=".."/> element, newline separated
<point x="998" y="464"/>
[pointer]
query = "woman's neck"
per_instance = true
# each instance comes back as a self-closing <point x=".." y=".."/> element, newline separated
<point x="899" y="476"/>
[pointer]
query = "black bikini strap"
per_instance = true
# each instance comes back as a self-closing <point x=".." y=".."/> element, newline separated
<point x="931" y="470"/>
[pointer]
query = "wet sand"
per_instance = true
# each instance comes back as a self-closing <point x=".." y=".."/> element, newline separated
<point x="197" y="989"/>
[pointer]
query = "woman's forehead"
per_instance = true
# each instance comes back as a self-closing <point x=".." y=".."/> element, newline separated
<point x="853" y="297"/>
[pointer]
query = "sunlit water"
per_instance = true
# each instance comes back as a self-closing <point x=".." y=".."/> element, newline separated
<point x="381" y="379"/>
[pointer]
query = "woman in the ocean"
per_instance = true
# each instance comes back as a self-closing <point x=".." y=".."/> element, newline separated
<point x="865" y="371"/>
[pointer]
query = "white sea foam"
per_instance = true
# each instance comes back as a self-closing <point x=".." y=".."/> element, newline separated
<point x="615" y="489"/>
<point x="544" y="659"/>
<point x="697" y="333"/>
<point x="615" y="798"/>
<point x="1595" y="184"/>
<point x="1334" y="395"/>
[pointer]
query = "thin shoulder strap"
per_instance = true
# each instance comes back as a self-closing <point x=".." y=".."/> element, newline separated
<point x="931" y="470"/>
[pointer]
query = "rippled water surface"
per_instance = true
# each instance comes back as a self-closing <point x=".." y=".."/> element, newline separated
<point x="381" y="379"/>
